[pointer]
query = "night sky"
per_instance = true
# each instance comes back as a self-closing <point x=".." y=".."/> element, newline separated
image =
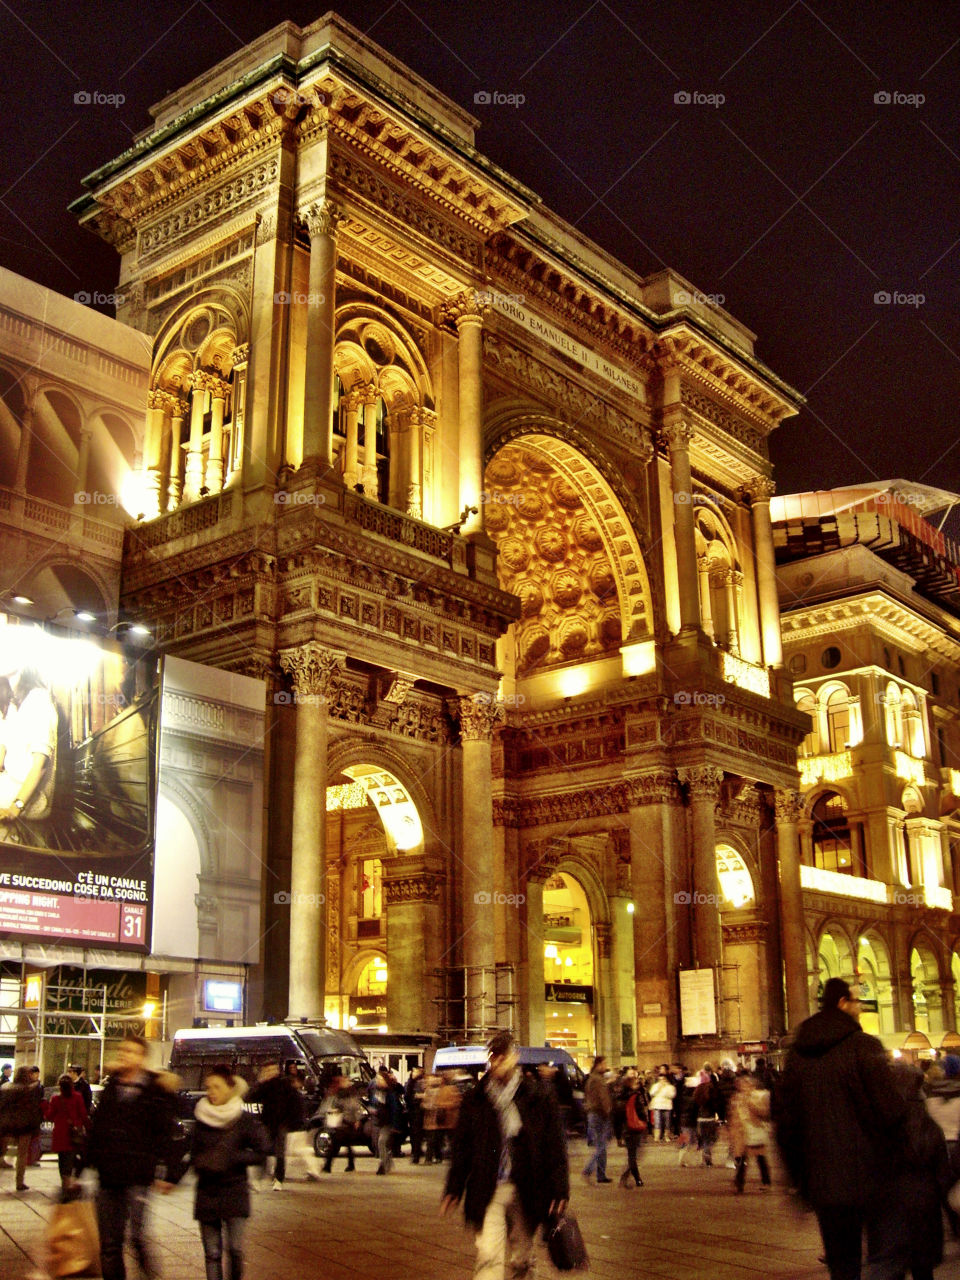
<point x="798" y="198"/>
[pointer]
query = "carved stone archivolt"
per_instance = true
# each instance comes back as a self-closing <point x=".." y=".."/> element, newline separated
<point x="315" y="671"/>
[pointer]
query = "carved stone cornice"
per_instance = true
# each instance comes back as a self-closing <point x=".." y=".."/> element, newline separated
<point x="788" y="805"/>
<point x="758" y="490"/>
<point x="412" y="878"/>
<point x="542" y="857"/>
<point x="314" y="670"/>
<point x="706" y="408"/>
<point x="240" y="355"/>
<point x="479" y="714"/>
<point x="323" y="218"/>
<point x="702" y="781"/>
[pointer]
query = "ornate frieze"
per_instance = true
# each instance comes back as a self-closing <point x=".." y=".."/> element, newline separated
<point x="421" y="887"/>
<point x="565" y="394"/>
<point x="240" y="191"/>
<point x="752" y="931"/>
<point x="479" y="714"/>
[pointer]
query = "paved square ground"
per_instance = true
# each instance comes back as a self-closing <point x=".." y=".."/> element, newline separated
<point x="684" y="1224"/>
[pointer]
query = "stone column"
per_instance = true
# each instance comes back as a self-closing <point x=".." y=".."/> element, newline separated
<point x="26" y="437"/>
<point x="706" y="607"/>
<point x="789" y="806"/>
<point x="468" y="312"/>
<point x="213" y="479"/>
<point x="412" y="885"/>
<point x="759" y="491"/>
<point x="83" y="461"/>
<point x="175" y="485"/>
<point x="159" y="404"/>
<point x="371" y="483"/>
<point x="678" y="437"/>
<point x="414" y="442"/>
<point x="350" y="406"/>
<point x="477" y="720"/>
<point x="193" y="472"/>
<point x="314" y="671"/>
<point x="703" y="784"/>
<point x="661" y="943"/>
<point x="322" y="220"/>
<point x="240" y="359"/>
<point x="604" y="995"/>
<point x="734" y="586"/>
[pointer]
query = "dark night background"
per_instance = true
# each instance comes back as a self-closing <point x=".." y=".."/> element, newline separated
<point x="797" y="199"/>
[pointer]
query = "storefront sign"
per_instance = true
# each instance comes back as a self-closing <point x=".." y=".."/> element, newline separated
<point x="698" y="1011"/>
<point x="73" y="993"/>
<point x="369" y="1011"/>
<point x="222" y="997"/>
<point x="568" y="993"/>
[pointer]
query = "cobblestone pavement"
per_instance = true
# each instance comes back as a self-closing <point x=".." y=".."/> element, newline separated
<point x="683" y="1224"/>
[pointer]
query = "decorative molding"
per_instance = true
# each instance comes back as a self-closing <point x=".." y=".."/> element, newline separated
<point x="749" y="932"/>
<point x="679" y="434"/>
<point x="788" y="805"/>
<point x="479" y="715"/>
<point x="323" y="218"/>
<point x="758" y="490"/>
<point x="315" y="671"/>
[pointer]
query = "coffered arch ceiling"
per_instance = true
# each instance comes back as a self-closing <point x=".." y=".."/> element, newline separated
<point x="567" y="549"/>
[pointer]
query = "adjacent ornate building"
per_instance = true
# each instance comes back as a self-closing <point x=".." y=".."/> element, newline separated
<point x="490" y="514"/>
<point x="870" y="598"/>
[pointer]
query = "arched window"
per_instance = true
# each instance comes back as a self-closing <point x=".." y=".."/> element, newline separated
<point x="807" y="703"/>
<point x="838" y="720"/>
<point x="913" y="736"/>
<point x="736" y="883"/>
<point x="893" y="716"/>
<point x="833" y="846"/>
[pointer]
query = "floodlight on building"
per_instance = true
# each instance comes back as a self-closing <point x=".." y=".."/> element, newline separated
<point x="631" y="908"/>
<point x="550" y="952"/>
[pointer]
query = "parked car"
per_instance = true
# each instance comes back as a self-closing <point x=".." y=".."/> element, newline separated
<point x="472" y="1058"/>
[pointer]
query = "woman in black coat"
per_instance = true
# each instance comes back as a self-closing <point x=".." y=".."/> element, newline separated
<point x="920" y="1184"/>
<point x="226" y="1139"/>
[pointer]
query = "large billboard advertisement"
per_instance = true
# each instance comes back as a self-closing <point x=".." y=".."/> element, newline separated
<point x="78" y="734"/>
<point x="207" y="893"/>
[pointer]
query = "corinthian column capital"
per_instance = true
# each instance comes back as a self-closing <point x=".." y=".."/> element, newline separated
<point x="788" y="805"/>
<point x="314" y="670"/>
<point x="702" y="781"/>
<point x="758" y="489"/>
<point x="465" y="308"/>
<point x="323" y="218"/>
<point x="479" y="713"/>
<point x="679" y="434"/>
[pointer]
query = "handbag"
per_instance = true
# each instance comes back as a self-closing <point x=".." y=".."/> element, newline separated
<point x="73" y="1242"/>
<point x="78" y="1137"/>
<point x="565" y="1244"/>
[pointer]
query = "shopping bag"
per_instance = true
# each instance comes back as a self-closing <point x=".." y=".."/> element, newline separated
<point x="565" y="1244"/>
<point x="299" y="1148"/>
<point x="73" y="1241"/>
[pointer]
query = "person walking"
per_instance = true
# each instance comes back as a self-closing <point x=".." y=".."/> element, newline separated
<point x="598" y="1103"/>
<point x="943" y="1103"/>
<point x="839" y="1127"/>
<point x="81" y="1085"/>
<point x="413" y="1097"/>
<point x="385" y="1119"/>
<point x="131" y="1141"/>
<point x="344" y="1115"/>
<point x="21" y="1115"/>
<point x="70" y="1119"/>
<point x="636" y="1110"/>
<point x="921" y="1181"/>
<point x="509" y="1164"/>
<point x="280" y="1112"/>
<point x="662" y="1093"/>
<point x="748" y="1111"/>
<point x="226" y="1141"/>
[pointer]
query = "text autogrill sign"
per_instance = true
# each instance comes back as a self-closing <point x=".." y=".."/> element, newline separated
<point x="507" y="305"/>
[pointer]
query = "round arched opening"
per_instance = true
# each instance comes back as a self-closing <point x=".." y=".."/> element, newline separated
<point x="927" y="995"/>
<point x="568" y="966"/>
<point x="876" y="986"/>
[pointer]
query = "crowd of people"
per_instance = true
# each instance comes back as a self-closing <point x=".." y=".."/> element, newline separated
<point x="872" y="1147"/>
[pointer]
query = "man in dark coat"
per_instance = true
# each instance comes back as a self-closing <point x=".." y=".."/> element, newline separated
<point x="509" y="1163"/>
<point x="82" y="1085"/>
<point x="839" y="1129"/>
<point x="131" y="1138"/>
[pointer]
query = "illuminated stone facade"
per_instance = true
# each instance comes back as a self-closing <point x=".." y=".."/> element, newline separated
<point x="870" y="592"/>
<point x="491" y="515"/>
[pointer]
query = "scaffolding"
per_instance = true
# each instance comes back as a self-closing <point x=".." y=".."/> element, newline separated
<point x="475" y="1000"/>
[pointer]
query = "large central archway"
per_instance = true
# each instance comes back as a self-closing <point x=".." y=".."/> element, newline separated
<point x="568" y="550"/>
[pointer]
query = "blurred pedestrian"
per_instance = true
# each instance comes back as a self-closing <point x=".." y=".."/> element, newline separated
<point x="131" y="1145"/>
<point x="386" y="1118"/>
<point x="943" y="1103"/>
<point x="280" y="1112"/>
<point x="598" y="1103"/>
<point x="69" y="1117"/>
<point x="344" y="1115"/>
<point x="748" y="1112"/>
<point x="839" y="1128"/>
<point x="21" y="1115"/>
<point x="662" y="1093"/>
<point x="509" y="1164"/>
<point x="226" y="1141"/>
<point x="634" y="1125"/>
<point x="920" y="1183"/>
<point x="82" y="1086"/>
<point x="413" y="1098"/>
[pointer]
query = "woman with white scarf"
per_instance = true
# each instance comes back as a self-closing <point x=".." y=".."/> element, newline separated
<point x="226" y="1139"/>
